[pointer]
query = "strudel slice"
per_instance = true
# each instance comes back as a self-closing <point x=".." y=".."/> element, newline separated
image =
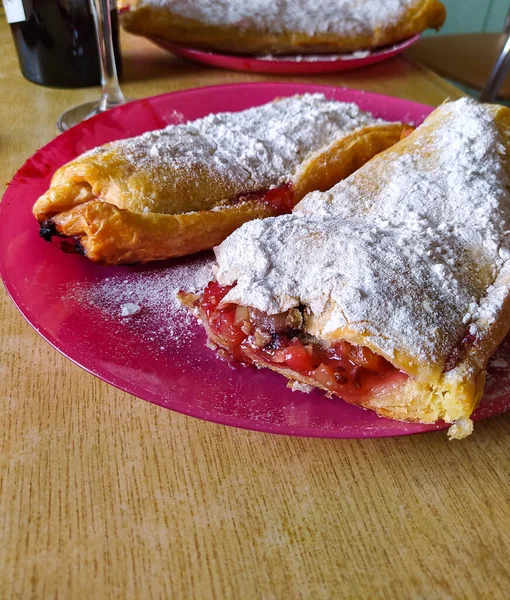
<point x="283" y="26"/>
<point x="185" y="188"/>
<point x="390" y="290"/>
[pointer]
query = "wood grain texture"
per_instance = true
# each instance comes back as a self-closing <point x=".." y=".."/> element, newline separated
<point x="103" y="495"/>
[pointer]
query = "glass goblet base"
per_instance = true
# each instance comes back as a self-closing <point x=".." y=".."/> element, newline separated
<point x="77" y="114"/>
<point x="82" y="112"/>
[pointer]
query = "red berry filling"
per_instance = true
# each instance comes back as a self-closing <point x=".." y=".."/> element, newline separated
<point x="344" y="369"/>
<point x="281" y="199"/>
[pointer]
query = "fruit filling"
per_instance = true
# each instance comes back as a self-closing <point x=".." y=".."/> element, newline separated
<point x="280" y="199"/>
<point x="344" y="369"/>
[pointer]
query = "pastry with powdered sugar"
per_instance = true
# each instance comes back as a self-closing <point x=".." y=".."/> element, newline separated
<point x="283" y="26"/>
<point x="392" y="289"/>
<point x="185" y="188"/>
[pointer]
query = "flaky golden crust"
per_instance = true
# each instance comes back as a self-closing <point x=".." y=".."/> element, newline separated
<point x="110" y="176"/>
<point x="160" y="23"/>
<point x="111" y="235"/>
<point x="343" y="157"/>
<point x="448" y="383"/>
<point x="101" y="201"/>
<point x="456" y="393"/>
<point x="431" y="394"/>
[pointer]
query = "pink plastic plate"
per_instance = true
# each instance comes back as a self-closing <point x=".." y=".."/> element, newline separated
<point x="160" y="353"/>
<point x="289" y="65"/>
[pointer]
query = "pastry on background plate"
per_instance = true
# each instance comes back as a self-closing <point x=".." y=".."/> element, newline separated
<point x="185" y="188"/>
<point x="283" y="26"/>
<point x="392" y="289"/>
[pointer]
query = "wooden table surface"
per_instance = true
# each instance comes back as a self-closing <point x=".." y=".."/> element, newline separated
<point x="103" y="495"/>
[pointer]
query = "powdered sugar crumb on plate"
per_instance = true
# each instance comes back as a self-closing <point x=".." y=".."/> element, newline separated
<point x="318" y="57"/>
<point x="297" y="386"/>
<point x="149" y="293"/>
<point x="129" y="309"/>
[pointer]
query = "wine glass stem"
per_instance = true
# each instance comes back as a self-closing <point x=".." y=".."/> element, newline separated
<point x="111" y="94"/>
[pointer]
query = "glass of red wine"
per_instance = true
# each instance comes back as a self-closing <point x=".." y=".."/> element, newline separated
<point x="111" y="94"/>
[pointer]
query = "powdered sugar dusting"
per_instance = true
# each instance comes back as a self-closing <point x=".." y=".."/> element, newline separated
<point x="407" y="252"/>
<point x="307" y="16"/>
<point x="147" y="299"/>
<point x="235" y="152"/>
<point x="129" y="309"/>
<point x="317" y="57"/>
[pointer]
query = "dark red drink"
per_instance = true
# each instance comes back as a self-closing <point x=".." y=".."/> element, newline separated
<point x="56" y="41"/>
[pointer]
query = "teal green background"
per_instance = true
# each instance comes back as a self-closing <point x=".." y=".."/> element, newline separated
<point x="468" y="16"/>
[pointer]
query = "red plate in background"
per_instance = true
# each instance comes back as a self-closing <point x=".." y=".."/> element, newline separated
<point x="289" y="65"/>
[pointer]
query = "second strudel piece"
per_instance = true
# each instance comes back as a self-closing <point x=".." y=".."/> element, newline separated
<point x="184" y="188"/>
<point x="391" y="290"/>
<point x="283" y="26"/>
